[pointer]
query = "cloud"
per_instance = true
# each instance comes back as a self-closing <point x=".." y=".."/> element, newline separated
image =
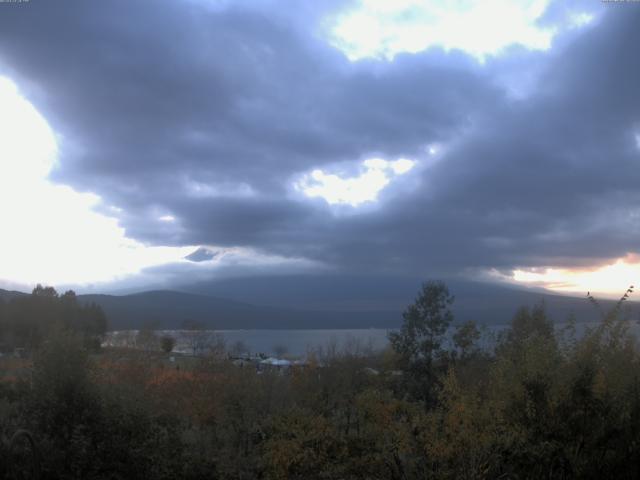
<point x="383" y="29"/>
<point x="194" y="121"/>
<point x="49" y="232"/>
<point x="355" y="190"/>
<point x="202" y="254"/>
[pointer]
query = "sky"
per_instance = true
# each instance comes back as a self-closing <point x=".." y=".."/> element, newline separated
<point x="157" y="142"/>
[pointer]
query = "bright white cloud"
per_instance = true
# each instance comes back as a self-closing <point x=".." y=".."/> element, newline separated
<point x="50" y="233"/>
<point x="402" y="166"/>
<point x="382" y="28"/>
<point x="365" y="187"/>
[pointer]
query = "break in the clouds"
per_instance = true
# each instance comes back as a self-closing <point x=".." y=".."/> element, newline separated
<point x="353" y="136"/>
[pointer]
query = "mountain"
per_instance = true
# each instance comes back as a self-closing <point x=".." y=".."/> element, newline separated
<point x="484" y="302"/>
<point x="299" y="301"/>
<point x="352" y="292"/>
<point x="169" y="309"/>
<point x="331" y="302"/>
<point x="7" y="295"/>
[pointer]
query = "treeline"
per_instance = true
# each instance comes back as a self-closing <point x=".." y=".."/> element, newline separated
<point x="541" y="403"/>
<point x="28" y="320"/>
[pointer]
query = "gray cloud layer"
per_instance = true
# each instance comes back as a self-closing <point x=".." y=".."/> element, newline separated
<point x="210" y="113"/>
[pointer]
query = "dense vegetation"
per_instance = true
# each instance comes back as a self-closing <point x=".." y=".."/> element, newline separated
<point x="26" y="321"/>
<point x="542" y="403"/>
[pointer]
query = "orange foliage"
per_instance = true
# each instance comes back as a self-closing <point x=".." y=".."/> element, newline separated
<point x="12" y="369"/>
<point x="170" y="389"/>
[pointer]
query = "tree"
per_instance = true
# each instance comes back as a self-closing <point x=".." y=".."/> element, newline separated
<point x="3" y="320"/>
<point x="201" y="340"/>
<point x="28" y="320"/>
<point x="425" y="323"/>
<point x="238" y="348"/>
<point x="146" y="337"/>
<point x="45" y="292"/>
<point x="62" y="400"/>
<point x="418" y="342"/>
<point x="465" y="338"/>
<point x="280" y="350"/>
<point x="527" y="324"/>
<point x="167" y="343"/>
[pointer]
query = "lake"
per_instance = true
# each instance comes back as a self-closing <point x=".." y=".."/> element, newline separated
<point x="299" y="342"/>
<point x="291" y="342"/>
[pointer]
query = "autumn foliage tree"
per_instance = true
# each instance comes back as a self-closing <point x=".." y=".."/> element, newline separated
<point x="538" y="402"/>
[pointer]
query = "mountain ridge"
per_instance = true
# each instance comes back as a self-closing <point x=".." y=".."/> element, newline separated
<point x="489" y="304"/>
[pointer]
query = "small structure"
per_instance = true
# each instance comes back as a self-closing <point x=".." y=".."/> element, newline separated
<point x="246" y="359"/>
<point x="274" y="364"/>
<point x="242" y="362"/>
<point x="279" y="365"/>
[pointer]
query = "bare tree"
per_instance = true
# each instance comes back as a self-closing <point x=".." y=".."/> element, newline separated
<point x="280" y="350"/>
<point x="147" y="338"/>
<point x="202" y="341"/>
<point x="239" y="348"/>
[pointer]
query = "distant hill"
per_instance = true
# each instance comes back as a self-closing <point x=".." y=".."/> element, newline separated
<point x="169" y="309"/>
<point x="484" y="302"/>
<point x="312" y="302"/>
<point x="7" y="295"/>
<point x="353" y="292"/>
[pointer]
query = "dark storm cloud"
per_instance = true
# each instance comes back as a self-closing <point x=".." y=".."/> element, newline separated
<point x="560" y="169"/>
<point x="209" y="113"/>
